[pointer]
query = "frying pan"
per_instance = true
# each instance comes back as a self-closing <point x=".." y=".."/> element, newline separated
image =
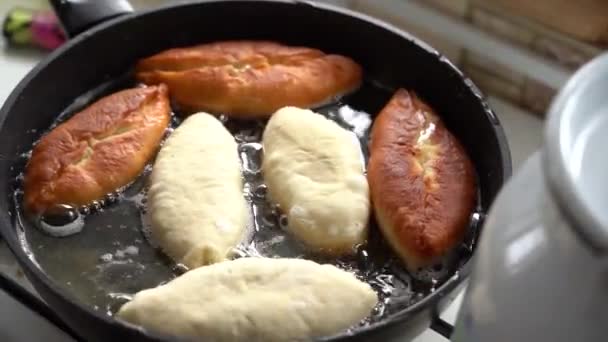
<point x="107" y="38"/>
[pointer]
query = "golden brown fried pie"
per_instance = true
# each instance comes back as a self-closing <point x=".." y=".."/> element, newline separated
<point x="422" y="183"/>
<point x="98" y="150"/>
<point x="249" y="78"/>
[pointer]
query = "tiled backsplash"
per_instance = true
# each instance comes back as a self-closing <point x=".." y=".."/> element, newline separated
<point x="584" y="20"/>
<point x="516" y="27"/>
<point x="532" y="32"/>
<point x="490" y="17"/>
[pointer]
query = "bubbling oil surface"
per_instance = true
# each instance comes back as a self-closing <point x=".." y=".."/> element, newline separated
<point x="103" y="253"/>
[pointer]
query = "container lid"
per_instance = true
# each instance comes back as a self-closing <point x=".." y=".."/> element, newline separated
<point x="576" y="152"/>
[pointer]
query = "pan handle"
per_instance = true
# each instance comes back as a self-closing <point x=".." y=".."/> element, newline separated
<point x="35" y="304"/>
<point x="442" y="327"/>
<point x="77" y="16"/>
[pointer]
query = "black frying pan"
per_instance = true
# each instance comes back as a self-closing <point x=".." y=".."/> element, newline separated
<point x="108" y="38"/>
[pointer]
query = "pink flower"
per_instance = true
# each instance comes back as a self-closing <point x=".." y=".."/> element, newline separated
<point x="46" y="31"/>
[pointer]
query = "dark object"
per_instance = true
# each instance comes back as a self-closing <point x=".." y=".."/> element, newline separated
<point x="60" y="215"/>
<point x="108" y="50"/>
<point x="77" y="16"/>
<point x="442" y="327"/>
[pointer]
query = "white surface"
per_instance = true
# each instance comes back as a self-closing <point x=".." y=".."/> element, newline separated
<point x="523" y="131"/>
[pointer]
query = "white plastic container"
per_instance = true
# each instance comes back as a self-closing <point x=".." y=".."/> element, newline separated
<point x="541" y="270"/>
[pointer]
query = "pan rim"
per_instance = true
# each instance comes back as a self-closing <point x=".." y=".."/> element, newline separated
<point x="428" y="302"/>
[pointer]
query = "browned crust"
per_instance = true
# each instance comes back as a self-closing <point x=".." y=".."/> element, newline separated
<point x="98" y="150"/>
<point x="423" y="192"/>
<point x="249" y="78"/>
